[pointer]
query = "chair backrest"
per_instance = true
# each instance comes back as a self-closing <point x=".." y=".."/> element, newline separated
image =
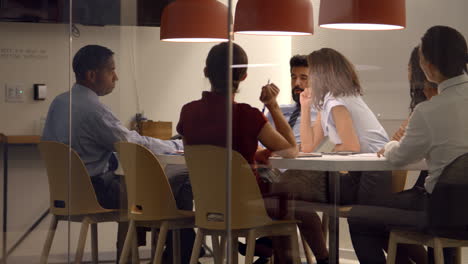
<point x="71" y="191"/>
<point x="207" y="171"/>
<point x="148" y="192"/>
<point x="399" y="180"/>
<point x="447" y="209"/>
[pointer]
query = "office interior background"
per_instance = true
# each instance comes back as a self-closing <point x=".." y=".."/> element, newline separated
<point x="157" y="78"/>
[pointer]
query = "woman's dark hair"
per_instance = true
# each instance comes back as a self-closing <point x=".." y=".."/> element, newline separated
<point x="298" y="61"/>
<point x="445" y="48"/>
<point x="331" y="72"/>
<point x="417" y="80"/>
<point x="217" y="67"/>
<point x="88" y="58"/>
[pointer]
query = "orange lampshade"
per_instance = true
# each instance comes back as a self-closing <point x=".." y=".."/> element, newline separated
<point x="363" y="14"/>
<point x="274" y="17"/>
<point x="194" y="21"/>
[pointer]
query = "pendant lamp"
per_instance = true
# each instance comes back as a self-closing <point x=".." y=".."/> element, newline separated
<point x="274" y="17"/>
<point x="363" y="14"/>
<point x="194" y="21"/>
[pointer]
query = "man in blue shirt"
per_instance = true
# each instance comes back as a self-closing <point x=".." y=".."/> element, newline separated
<point x="299" y="81"/>
<point x="95" y="129"/>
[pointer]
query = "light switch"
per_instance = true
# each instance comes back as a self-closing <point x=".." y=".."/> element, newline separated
<point x="14" y="93"/>
<point x="40" y="91"/>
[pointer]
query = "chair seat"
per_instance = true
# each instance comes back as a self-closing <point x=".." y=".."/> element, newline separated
<point x="110" y="216"/>
<point x="182" y="214"/>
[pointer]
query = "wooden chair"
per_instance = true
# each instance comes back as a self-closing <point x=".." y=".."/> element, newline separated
<point x="444" y="223"/>
<point x="150" y="199"/>
<point x="207" y="170"/>
<point x="398" y="185"/>
<point x="72" y="197"/>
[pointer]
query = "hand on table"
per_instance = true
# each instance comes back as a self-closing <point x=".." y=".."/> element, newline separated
<point x="381" y="152"/>
<point x="262" y="156"/>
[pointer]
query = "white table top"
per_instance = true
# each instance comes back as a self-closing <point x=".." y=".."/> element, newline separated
<point x="359" y="162"/>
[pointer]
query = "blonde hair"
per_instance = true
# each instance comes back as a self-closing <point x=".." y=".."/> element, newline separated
<point x="330" y="72"/>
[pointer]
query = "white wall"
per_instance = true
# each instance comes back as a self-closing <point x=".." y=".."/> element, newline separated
<point x="155" y="77"/>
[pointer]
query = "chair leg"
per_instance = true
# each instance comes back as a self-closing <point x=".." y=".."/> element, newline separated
<point x="197" y="246"/>
<point x="458" y="257"/>
<point x="249" y="255"/>
<point x="438" y="251"/>
<point x="295" y="246"/>
<point x="307" y="251"/>
<point x="216" y="249"/>
<point x="94" y="244"/>
<point x="49" y="239"/>
<point x="82" y="241"/>
<point x="128" y="242"/>
<point x="222" y="245"/>
<point x="135" y="254"/>
<point x="234" y="250"/>
<point x="392" y="249"/>
<point x="154" y="240"/>
<point x="161" y="242"/>
<point x="325" y="225"/>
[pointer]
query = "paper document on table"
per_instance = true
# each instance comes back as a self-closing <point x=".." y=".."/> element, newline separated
<point x="365" y="155"/>
<point x="309" y="154"/>
<point x="177" y="152"/>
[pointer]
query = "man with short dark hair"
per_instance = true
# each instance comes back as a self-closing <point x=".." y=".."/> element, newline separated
<point x="299" y="69"/>
<point x="95" y="129"/>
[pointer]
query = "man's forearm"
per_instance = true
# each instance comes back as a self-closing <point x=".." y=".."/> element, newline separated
<point x="281" y="124"/>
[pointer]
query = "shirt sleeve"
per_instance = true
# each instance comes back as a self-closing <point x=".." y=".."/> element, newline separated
<point x="328" y="124"/>
<point x="109" y="130"/>
<point x="414" y="145"/>
<point x="180" y="124"/>
<point x="256" y="119"/>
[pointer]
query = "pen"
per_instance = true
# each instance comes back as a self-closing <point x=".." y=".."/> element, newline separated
<point x="264" y="106"/>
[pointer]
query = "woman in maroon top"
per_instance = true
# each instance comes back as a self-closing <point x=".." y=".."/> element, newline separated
<point x="204" y="122"/>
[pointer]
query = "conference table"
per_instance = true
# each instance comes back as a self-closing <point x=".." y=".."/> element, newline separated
<point x="333" y="162"/>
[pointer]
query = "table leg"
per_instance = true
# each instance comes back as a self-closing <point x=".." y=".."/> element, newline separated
<point x="334" y="228"/>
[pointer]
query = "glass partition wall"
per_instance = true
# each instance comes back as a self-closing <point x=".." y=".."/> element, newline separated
<point x="187" y="123"/>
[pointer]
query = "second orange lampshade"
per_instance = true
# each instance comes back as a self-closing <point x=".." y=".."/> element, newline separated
<point x="194" y="21"/>
<point x="274" y="17"/>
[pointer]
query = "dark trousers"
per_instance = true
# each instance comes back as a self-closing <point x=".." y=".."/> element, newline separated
<point x="370" y="239"/>
<point x="180" y="184"/>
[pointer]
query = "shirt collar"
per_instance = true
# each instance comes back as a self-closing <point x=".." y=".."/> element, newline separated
<point x="452" y="82"/>
<point x="81" y="89"/>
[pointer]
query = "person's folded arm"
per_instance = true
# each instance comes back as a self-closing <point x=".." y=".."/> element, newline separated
<point x="109" y="130"/>
<point x="345" y="129"/>
<point x="414" y="145"/>
<point x="280" y="140"/>
<point x="311" y="134"/>
<point x="276" y="142"/>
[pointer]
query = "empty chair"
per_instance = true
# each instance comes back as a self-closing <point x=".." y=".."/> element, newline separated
<point x="207" y="171"/>
<point x="150" y="199"/>
<point x="72" y="197"/>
